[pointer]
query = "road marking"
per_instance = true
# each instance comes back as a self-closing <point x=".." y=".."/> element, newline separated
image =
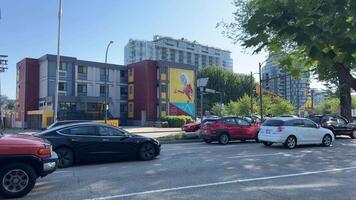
<point x="222" y="183"/>
<point x="58" y="172"/>
<point x="260" y="155"/>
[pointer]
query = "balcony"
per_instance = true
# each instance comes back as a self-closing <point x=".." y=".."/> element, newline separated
<point x="82" y="76"/>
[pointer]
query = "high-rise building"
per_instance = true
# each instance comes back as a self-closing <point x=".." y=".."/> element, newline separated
<point x="179" y="51"/>
<point x="279" y="81"/>
<point x="317" y="96"/>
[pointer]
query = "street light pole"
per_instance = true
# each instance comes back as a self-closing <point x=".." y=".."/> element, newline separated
<point x="251" y="93"/>
<point x="106" y="82"/>
<point x="260" y="77"/>
<point x="55" y="117"/>
<point x="201" y="103"/>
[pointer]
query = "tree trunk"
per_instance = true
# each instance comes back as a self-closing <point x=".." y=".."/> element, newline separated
<point x="345" y="79"/>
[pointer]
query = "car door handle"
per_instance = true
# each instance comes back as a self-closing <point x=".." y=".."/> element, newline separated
<point x="105" y="140"/>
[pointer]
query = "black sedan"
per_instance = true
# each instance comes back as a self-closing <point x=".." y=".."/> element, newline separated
<point x="94" y="141"/>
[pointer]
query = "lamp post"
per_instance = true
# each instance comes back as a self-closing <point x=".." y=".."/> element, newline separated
<point x="260" y="77"/>
<point x="106" y="82"/>
<point x="201" y="83"/>
<point x="55" y="117"/>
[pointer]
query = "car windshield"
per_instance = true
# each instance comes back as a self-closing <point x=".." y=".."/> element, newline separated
<point x="273" y="122"/>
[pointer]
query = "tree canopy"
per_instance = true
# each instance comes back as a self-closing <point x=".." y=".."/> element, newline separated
<point x="232" y="86"/>
<point x="312" y="34"/>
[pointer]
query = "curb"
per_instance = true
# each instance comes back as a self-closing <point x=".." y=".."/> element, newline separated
<point x="180" y="141"/>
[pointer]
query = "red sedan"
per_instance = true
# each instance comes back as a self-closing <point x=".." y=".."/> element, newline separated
<point x="195" y="126"/>
<point x="226" y="129"/>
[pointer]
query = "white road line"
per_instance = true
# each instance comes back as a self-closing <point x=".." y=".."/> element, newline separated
<point x="222" y="183"/>
<point x="259" y="155"/>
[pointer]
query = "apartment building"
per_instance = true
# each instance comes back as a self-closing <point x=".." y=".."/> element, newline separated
<point x="279" y="81"/>
<point x="159" y="88"/>
<point x="180" y="51"/>
<point x="81" y="88"/>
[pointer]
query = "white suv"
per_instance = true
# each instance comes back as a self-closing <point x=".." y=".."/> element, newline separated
<point x="292" y="131"/>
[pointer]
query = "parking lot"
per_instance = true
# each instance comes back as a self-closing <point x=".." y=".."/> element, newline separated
<point x="211" y="171"/>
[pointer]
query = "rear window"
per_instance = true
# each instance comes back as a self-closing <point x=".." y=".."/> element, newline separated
<point x="209" y="121"/>
<point x="273" y="122"/>
<point x="316" y="119"/>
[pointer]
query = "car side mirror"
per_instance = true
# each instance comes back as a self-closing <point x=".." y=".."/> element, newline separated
<point x="317" y="126"/>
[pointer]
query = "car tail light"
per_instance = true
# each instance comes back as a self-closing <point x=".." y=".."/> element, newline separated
<point x="280" y="128"/>
<point x="45" y="151"/>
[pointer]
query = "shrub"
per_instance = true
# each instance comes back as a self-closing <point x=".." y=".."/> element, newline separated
<point x="176" y="121"/>
<point x="164" y="124"/>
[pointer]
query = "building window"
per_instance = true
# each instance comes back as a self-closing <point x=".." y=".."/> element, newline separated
<point x="172" y="55"/>
<point x="130" y="89"/>
<point x="63" y="66"/>
<point x="123" y="108"/>
<point x="123" y="73"/>
<point x="196" y="59"/>
<point x="102" y="74"/>
<point x="163" y="107"/>
<point x="130" y="107"/>
<point x="82" y="69"/>
<point x="181" y="57"/>
<point x="189" y="58"/>
<point x="62" y="86"/>
<point x="102" y="90"/>
<point x="163" y="88"/>
<point x="123" y="90"/>
<point x="82" y="88"/>
<point x="130" y="72"/>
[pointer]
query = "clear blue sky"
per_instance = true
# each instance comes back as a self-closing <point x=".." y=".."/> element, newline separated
<point x="28" y="28"/>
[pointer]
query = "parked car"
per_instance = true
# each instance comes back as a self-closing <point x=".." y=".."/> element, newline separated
<point x="64" y="122"/>
<point x="293" y="131"/>
<point x="92" y="141"/>
<point x="226" y="129"/>
<point x="195" y="126"/>
<point x="23" y="159"/>
<point x="191" y="127"/>
<point x="336" y="123"/>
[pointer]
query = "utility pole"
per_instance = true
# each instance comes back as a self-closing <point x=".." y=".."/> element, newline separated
<point x="298" y="98"/>
<point x="312" y="99"/>
<point x="3" y="67"/>
<point x="106" y="82"/>
<point x="251" y="94"/>
<point x="260" y="76"/>
<point x="201" y="103"/>
<point x="55" y="117"/>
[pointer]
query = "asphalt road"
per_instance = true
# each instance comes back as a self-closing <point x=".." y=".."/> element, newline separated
<point x="211" y="171"/>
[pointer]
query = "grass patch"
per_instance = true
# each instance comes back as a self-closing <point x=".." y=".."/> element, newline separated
<point x="178" y="136"/>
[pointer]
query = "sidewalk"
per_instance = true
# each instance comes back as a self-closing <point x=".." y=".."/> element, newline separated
<point x="145" y="131"/>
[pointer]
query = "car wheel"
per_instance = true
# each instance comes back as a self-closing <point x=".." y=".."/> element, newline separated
<point x="207" y="141"/>
<point x="353" y="134"/>
<point x="147" y="151"/>
<point x="267" y="143"/>
<point x="16" y="180"/>
<point x="327" y="140"/>
<point x="224" y="138"/>
<point x="291" y="142"/>
<point x="65" y="157"/>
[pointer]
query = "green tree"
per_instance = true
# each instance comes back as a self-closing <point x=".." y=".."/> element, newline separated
<point x="329" y="106"/>
<point x="218" y="109"/>
<point x="233" y="86"/>
<point x="282" y="107"/>
<point x="317" y="35"/>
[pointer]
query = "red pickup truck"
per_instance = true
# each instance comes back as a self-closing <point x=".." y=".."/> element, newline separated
<point x="23" y="159"/>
